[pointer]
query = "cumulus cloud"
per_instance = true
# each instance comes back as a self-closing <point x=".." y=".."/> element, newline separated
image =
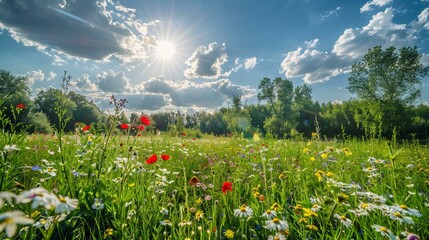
<point x="113" y="82"/>
<point x="158" y="85"/>
<point x="312" y="44"/>
<point x="51" y="76"/>
<point x="423" y="19"/>
<point x="83" y="83"/>
<point x="313" y="65"/>
<point x="34" y="76"/>
<point x="368" y="6"/>
<point x="146" y="101"/>
<point x="80" y="28"/>
<point x="206" y="62"/>
<point x="250" y="63"/>
<point x="381" y="30"/>
<point x="318" y="66"/>
<point x="210" y="94"/>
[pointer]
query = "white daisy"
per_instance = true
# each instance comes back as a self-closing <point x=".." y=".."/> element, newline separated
<point x="65" y="205"/>
<point x="10" y="221"/>
<point x="243" y="211"/>
<point x="276" y="224"/>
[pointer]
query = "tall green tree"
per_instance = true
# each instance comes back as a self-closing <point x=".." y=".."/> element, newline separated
<point x="390" y="78"/>
<point x="279" y="96"/>
<point x="10" y="84"/>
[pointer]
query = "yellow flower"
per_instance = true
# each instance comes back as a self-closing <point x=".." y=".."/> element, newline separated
<point x="312" y="227"/>
<point x="199" y="214"/>
<point x="312" y="158"/>
<point x="229" y="234"/>
<point x="303" y="220"/>
<point x="329" y="174"/>
<point x="282" y="176"/>
<point x="275" y="207"/>
<point x="256" y="194"/>
<point x="108" y="232"/>
<point x="306" y="150"/>
<point x="313" y="135"/>
<point x="309" y="213"/>
<point x="199" y="201"/>
<point x="324" y="156"/>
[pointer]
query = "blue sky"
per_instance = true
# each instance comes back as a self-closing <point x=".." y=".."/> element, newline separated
<point x="195" y="55"/>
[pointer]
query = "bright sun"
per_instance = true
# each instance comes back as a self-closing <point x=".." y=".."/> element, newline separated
<point x="165" y="50"/>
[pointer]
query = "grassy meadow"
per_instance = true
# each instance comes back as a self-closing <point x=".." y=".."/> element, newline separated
<point x="100" y="185"/>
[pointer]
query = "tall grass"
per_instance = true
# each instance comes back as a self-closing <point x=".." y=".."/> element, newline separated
<point x="320" y="189"/>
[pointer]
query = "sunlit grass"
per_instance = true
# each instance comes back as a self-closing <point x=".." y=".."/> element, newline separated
<point x="331" y="190"/>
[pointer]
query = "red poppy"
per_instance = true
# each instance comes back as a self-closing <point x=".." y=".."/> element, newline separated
<point x="145" y="120"/>
<point x="152" y="159"/>
<point x="194" y="180"/>
<point x="86" y="128"/>
<point x="20" y="106"/>
<point x="165" y="157"/>
<point x="125" y="126"/>
<point x="226" y="186"/>
<point x="141" y="127"/>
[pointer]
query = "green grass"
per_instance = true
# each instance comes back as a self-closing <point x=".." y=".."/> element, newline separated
<point x="308" y="184"/>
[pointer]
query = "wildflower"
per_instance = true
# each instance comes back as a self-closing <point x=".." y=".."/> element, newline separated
<point x="194" y="181"/>
<point x="165" y="157"/>
<point x="98" y="204"/>
<point x="406" y="210"/>
<point x="243" y="211"/>
<point x="278" y="236"/>
<point x="303" y="220"/>
<point x="383" y="231"/>
<point x="152" y="159"/>
<point x="185" y="223"/>
<point x="145" y="120"/>
<point x="324" y="156"/>
<point x="309" y="213"/>
<point x="315" y="208"/>
<point x="359" y="212"/>
<point x="20" y="106"/>
<point x="108" y="232"/>
<point x="312" y="227"/>
<point x="124" y="126"/>
<point x="226" y="186"/>
<point x="229" y="234"/>
<point x="410" y="236"/>
<point x="344" y="220"/>
<point x="9" y="148"/>
<point x="39" y="197"/>
<point x="207" y="197"/>
<point x="10" y="220"/>
<point x="276" y="224"/>
<point x="66" y="204"/>
<point x="269" y="214"/>
<point x="275" y="206"/>
<point x="86" y="128"/>
<point x="6" y="196"/>
<point x="165" y="223"/>
<point x="199" y="215"/>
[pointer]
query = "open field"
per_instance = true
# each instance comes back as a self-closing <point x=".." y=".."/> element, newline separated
<point x="94" y="187"/>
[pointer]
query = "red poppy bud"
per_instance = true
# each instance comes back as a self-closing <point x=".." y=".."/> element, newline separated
<point x="124" y="126"/>
<point x="165" y="157"/>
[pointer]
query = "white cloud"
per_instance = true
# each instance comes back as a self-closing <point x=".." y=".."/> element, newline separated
<point x="381" y="30"/>
<point x="313" y="65"/>
<point x="425" y="60"/>
<point x="158" y="85"/>
<point x="331" y="13"/>
<point x="317" y="66"/>
<point x="250" y="63"/>
<point x="82" y="29"/>
<point x="51" y="76"/>
<point x="34" y="76"/>
<point x="113" y="82"/>
<point x="423" y="18"/>
<point x="368" y="6"/>
<point x="312" y="44"/>
<point x="206" y="62"/>
<point x="83" y="83"/>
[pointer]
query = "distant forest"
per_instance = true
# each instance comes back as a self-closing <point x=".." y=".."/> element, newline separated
<point x="386" y="83"/>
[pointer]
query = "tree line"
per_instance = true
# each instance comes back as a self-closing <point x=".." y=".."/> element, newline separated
<point x="386" y="84"/>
